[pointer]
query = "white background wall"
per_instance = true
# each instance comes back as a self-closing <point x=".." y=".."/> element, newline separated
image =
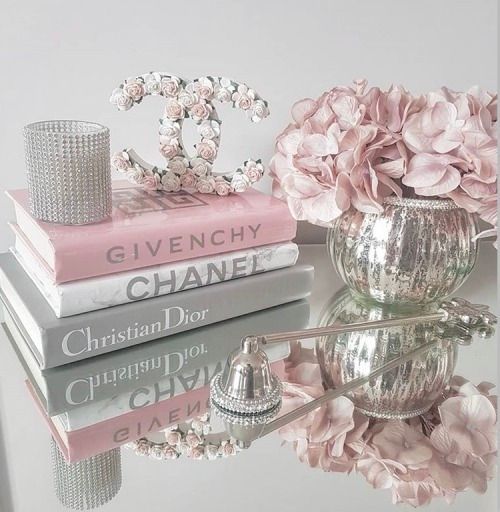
<point x="61" y="59"/>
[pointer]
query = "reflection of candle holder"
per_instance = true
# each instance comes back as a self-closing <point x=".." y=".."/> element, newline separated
<point x="69" y="175"/>
<point x="87" y="484"/>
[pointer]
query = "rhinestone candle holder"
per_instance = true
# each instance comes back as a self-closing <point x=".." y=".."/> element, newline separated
<point x="69" y="174"/>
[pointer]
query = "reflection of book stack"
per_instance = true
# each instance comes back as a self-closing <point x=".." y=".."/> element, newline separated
<point x="80" y="291"/>
<point x="142" y="401"/>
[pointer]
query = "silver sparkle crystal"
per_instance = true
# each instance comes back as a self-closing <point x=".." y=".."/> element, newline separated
<point x="69" y="174"/>
<point x="87" y="484"/>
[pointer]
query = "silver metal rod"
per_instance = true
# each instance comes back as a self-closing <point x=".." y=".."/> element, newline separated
<point x="349" y="386"/>
<point x="345" y="328"/>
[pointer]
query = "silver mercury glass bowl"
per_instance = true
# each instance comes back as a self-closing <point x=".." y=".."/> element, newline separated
<point x="404" y="392"/>
<point x="416" y="251"/>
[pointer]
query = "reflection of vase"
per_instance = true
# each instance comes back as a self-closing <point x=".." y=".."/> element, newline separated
<point x="404" y="392"/>
<point x="415" y="251"/>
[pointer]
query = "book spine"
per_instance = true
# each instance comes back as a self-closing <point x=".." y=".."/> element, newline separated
<point x="89" y="334"/>
<point x="86" y="295"/>
<point x="128" y="427"/>
<point x="123" y="429"/>
<point x="184" y="241"/>
<point x="73" y="386"/>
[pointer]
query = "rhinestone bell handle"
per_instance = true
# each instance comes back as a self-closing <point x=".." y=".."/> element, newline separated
<point x="459" y="312"/>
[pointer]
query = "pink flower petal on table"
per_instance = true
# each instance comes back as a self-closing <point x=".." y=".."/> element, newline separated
<point x="470" y="422"/>
<point x="303" y="109"/>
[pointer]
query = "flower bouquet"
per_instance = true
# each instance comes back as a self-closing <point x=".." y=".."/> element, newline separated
<point x="355" y="146"/>
<point x="449" y="449"/>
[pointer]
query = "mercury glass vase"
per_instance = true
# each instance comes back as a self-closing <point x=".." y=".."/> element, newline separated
<point x="404" y="392"/>
<point x="416" y="251"/>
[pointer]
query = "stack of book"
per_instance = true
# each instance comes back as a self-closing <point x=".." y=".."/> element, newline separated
<point x="98" y="404"/>
<point x="162" y="264"/>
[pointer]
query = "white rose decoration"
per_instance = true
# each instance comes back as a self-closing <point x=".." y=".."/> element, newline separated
<point x="200" y="166"/>
<point x="170" y="129"/>
<point x="253" y="170"/>
<point x="258" y="111"/>
<point x="187" y="99"/>
<point x="121" y="100"/>
<point x="121" y="161"/>
<point x="171" y="182"/>
<point x="135" y="89"/>
<point x="240" y="182"/>
<point x="244" y="97"/>
<point x="135" y="174"/>
<point x="205" y="185"/>
<point x="209" y="129"/>
<point x="173" y="109"/>
<point x="204" y="88"/>
<point x="152" y="83"/>
<point x="222" y="187"/>
<point x="179" y="165"/>
<point x="223" y="90"/>
<point x="170" y="86"/>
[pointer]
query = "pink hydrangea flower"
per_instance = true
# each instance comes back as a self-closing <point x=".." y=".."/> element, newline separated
<point x="354" y="146"/>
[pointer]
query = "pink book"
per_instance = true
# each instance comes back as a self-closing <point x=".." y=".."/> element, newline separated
<point x="105" y="435"/>
<point x="153" y="228"/>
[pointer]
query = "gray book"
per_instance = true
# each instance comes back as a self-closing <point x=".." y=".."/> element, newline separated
<point x="58" y="341"/>
<point x="172" y="361"/>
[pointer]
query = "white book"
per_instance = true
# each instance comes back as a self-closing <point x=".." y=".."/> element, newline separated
<point x="86" y="295"/>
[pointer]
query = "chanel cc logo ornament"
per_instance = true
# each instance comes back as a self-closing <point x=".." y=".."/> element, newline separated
<point x="194" y="99"/>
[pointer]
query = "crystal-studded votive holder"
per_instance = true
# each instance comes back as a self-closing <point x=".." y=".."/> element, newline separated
<point x="69" y="174"/>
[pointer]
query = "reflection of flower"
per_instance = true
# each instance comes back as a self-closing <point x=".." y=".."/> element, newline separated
<point x="449" y="449"/>
<point x="354" y="146"/>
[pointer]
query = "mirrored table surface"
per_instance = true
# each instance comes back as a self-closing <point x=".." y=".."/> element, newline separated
<point x="145" y="436"/>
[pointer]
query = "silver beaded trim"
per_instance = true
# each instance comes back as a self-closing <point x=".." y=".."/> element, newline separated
<point x="246" y="420"/>
<point x="428" y="204"/>
<point x="395" y="415"/>
<point x="248" y="406"/>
